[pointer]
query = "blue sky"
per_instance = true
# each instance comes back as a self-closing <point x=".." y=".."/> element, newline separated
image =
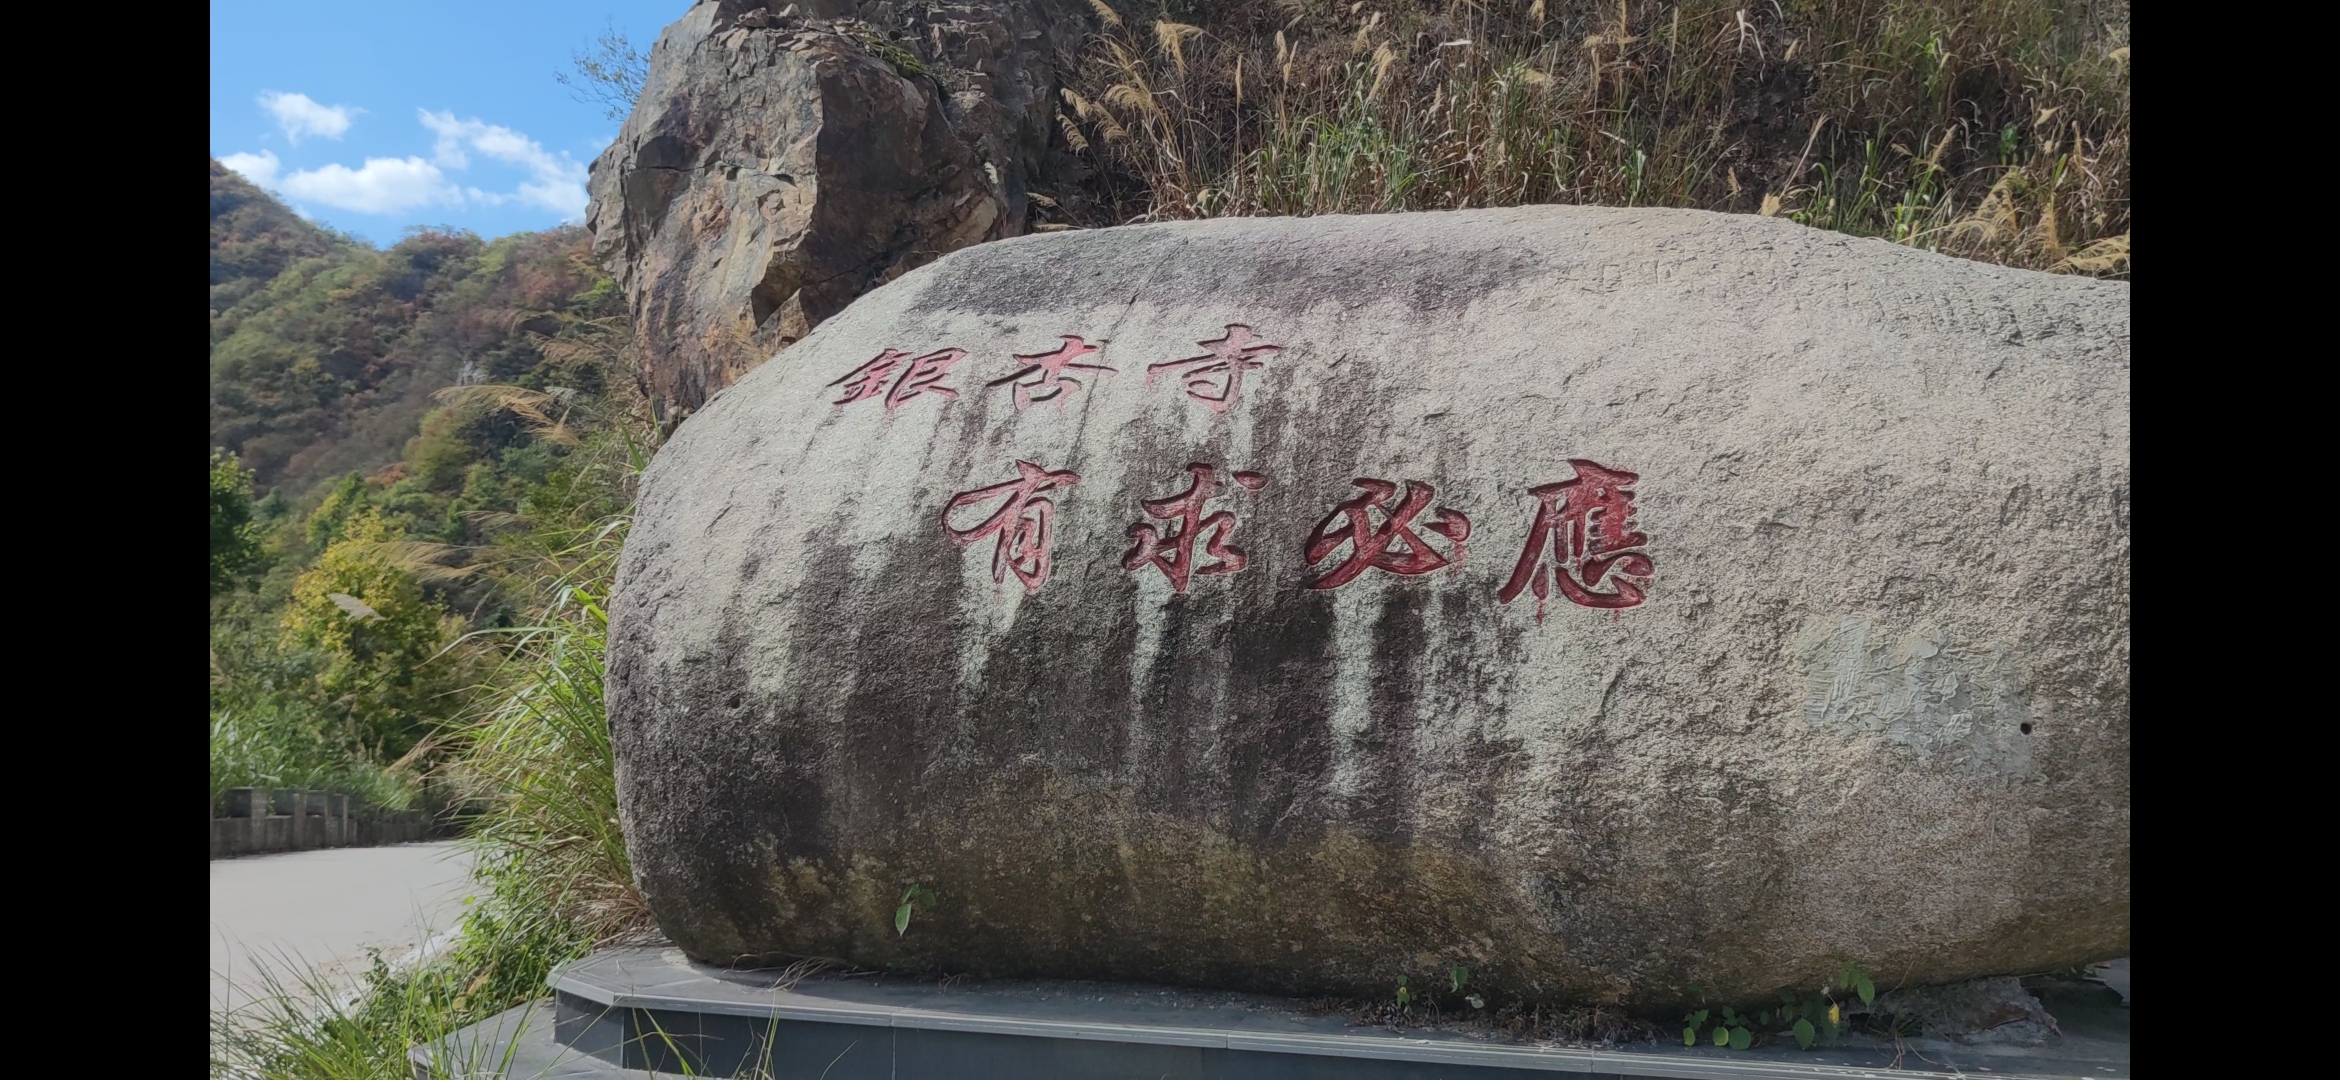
<point x="375" y="117"/>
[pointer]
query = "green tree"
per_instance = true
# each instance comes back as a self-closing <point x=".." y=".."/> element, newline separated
<point x="345" y="501"/>
<point x="363" y="607"/>
<point x="235" y="536"/>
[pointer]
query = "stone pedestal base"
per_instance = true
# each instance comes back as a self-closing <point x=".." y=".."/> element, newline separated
<point x="641" y="1013"/>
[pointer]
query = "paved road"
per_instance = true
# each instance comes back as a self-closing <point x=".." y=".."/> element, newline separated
<point x="319" y="911"/>
<point x="2115" y="974"/>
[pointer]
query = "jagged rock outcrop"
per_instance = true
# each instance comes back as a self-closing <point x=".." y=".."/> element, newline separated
<point x="785" y="158"/>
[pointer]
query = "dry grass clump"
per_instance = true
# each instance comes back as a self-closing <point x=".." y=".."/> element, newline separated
<point x="1992" y="129"/>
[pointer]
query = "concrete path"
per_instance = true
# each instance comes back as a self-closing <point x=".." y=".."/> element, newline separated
<point x="319" y="911"/>
<point x="2115" y="974"/>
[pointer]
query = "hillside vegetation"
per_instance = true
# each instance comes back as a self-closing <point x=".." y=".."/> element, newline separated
<point x="327" y="364"/>
<point x="387" y="426"/>
<point x="1990" y="129"/>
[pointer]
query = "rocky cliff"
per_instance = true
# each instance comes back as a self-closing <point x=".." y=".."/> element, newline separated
<point x="783" y="159"/>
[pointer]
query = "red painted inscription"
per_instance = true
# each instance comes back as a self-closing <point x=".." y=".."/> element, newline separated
<point x="1583" y="537"/>
<point x="1216" y="377"/>
<point x="1173" y="551"/>
<point x="1043" y="376"/>
<point x="1024" y="522"/>
<point x="918" y="374"/>
<point x="1392" y="545"/>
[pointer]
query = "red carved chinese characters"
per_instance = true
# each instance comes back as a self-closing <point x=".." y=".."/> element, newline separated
<point x="1044" y="379"/>
<point x="1586" y="526"/>
<point x="1023" y="523"/>
<point x="1216" y="377"/>
<point x="919" y="374"/>
<point x="1173" y="552"/>
<point x="1393" y="545"/>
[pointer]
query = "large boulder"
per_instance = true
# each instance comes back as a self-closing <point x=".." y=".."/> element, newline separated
<point x="783" y="158"/>
<point x="1630" y="605"/>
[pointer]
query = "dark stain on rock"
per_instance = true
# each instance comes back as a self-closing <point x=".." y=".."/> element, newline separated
<point x="1168" y="770"/>
<point x="1099" y="703"/>
<point x="1048" y="692"/>
<point x="740" y="822"/>
<point x="892" y="641"/>
<point x="1385" y="809"/>
<point x="1493" y="762"/>
<point x="1276" y="757"/>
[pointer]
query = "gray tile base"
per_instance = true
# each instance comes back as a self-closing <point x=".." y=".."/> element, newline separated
<point x="640" y="1013"/>
<point x="516" y="1045"/>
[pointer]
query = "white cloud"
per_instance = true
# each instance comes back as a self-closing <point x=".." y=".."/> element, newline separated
<point x="555" y="182"/>
<point x="299" y="116"/>
<point x="259" y="168"/>
<point x="380" y="186"/>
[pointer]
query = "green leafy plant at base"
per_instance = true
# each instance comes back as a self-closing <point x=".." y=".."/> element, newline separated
<point x="1730" y="1028"/>
<point x="1812" y="1019"/>
<point x="1408" y="996"/>
<point x="915" y="896"/>
<point x="1459" y="977"/>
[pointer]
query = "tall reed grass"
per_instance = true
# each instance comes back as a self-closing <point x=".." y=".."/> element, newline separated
<point x="1991" y="129"/>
